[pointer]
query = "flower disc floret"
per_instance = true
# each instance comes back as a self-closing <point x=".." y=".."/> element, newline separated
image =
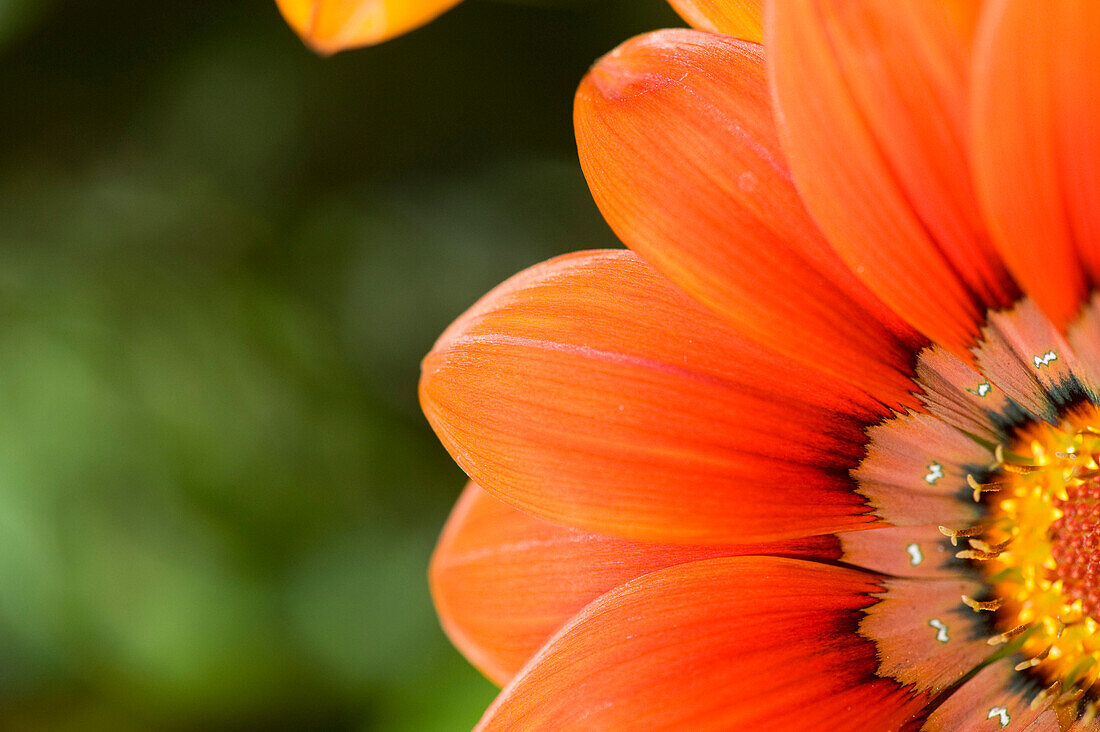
<point x="1039" y="548"/>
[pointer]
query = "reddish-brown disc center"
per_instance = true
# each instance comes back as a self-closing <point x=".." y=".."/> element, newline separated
<point x="1075" y="545"/>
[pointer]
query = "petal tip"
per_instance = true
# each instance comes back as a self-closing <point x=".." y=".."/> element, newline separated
<point x="327" y="27"/>
<point x="641" y="64"/>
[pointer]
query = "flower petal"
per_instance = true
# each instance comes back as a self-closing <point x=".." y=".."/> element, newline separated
<point x="737" y="18"/>
<point x="871" y="99"/>
<point x="996" y="697"/>
<point x="1027" y="358"/>
<point x="925" y="635"/>
<point x="1036" y="144"/>
<point x="328" y="26"/>
<point x="964" y="398"/>
<point x="915" y="471"/>
<point x="676" y="138"/>
<point x="743" y="643"/>
<point x="504" y="581"/>
<point x="903" y="551"/>
<point x="1083" y="335"/>
<point x="589" y="391"/>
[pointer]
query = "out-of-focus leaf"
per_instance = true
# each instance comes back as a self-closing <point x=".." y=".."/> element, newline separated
<point x="220" y="262"/>
<point x="18" y="15"/>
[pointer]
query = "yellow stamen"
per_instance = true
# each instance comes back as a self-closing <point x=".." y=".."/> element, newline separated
<point x="980" y="488"/>
<point x="1005" y="637"/>
<point x="976" y="606"/>
<point x="1048" y="480"/>
<point x="955" y="534"/>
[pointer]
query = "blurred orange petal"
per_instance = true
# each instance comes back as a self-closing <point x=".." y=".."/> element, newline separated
<point x="737" y="18"/>
<point x="677" y="141"/>
<point x="589" y="391"/>
<point x="328" y="26"/>
<point x="1036" y="139"/>
<point x="744" y="643"/>
<point x="871" y="100"/>
<point x="504" y="581"/>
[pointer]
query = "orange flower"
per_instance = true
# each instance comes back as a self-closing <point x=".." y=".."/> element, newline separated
<point x="328" y="26"/>
<point x="821" y="452"/>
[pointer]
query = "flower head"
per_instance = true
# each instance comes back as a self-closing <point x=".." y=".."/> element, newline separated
<point x="328" y="26"/>
<point x="822" y="451"/>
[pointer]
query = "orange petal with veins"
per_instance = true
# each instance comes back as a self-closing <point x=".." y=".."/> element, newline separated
<point x="1036" y="139"/>
<point x="592" y="392"/>
<point x="871" y="99"/>
<point x="677" y="141"/>
<point x="993" y="699"/>
<point x="743" y="643"/>
<point x="504" y="581"/>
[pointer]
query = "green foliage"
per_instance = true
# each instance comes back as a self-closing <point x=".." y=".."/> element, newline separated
<point x="221" y="259"/>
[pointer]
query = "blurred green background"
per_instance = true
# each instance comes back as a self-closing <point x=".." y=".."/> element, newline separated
<point x="221" y="259"/>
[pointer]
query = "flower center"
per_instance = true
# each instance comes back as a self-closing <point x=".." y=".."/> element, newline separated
<point x="1075" y="544"/>
<point x="1040" y="549"/>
